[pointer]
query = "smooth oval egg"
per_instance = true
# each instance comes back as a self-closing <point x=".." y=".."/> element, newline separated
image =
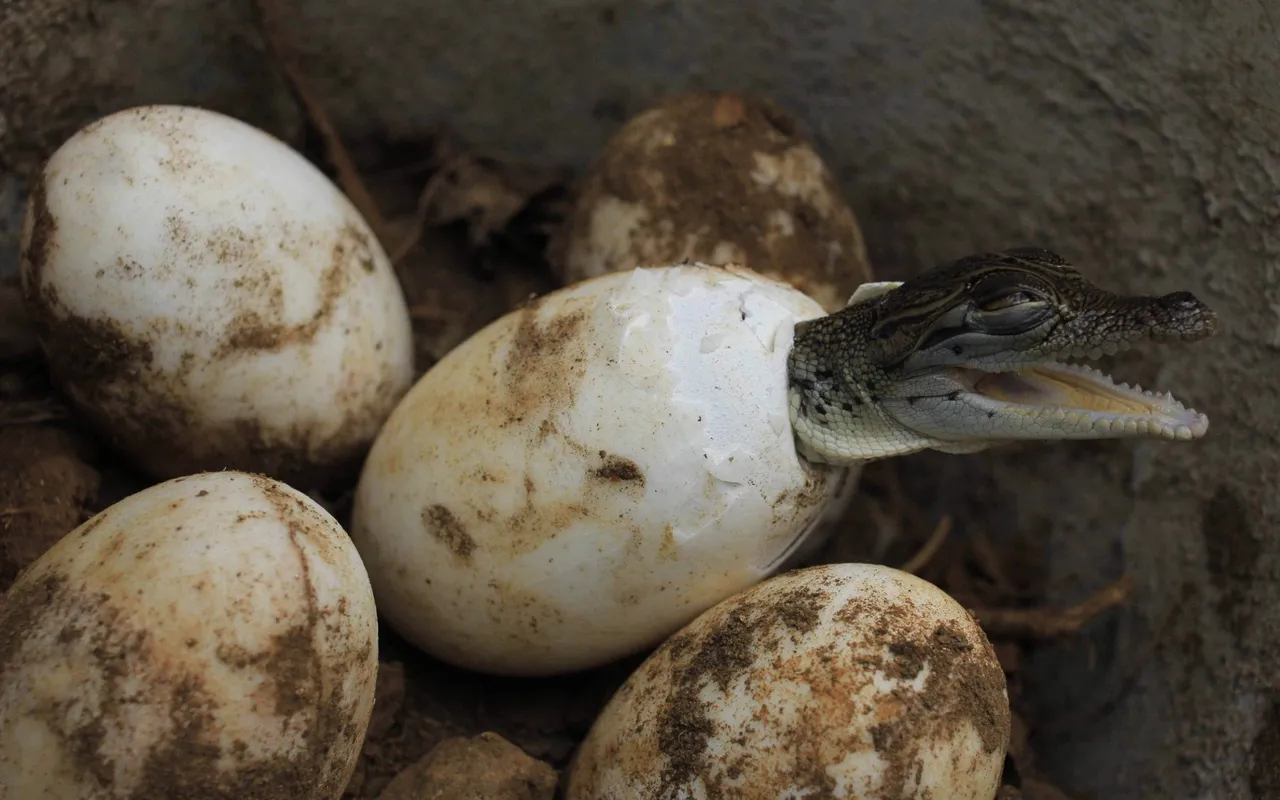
<point x="211" y="636"/>
<point x="838" y="681"/>
<point x="585" y="475"/>
<point x="208" y="299"/>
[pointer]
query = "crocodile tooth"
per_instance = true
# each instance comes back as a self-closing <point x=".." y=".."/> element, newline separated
<point x="1102" y="426"/>
<point x="1130" y="426"/>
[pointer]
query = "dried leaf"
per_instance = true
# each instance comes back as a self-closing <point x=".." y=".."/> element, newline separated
<point x="481" y="191"/>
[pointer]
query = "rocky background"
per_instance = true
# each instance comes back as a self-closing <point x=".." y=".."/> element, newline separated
<point x="1142" y="141"/>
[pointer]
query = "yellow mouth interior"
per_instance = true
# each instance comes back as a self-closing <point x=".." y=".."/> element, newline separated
<point x="1063" y="386"/>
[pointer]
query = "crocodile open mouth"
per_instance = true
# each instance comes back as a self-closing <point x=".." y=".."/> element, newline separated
<point x="1084" y="399"/>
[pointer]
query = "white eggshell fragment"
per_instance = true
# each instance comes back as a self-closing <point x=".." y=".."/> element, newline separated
<point x="211" y="636"/>
<point x="719" y="178"/>
<point x="584" y="476"/>
<point x="209" y="299"/>
<point x="839" y="681"/>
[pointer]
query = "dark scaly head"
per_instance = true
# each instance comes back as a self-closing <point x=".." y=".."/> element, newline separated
<point x="980" y="351"/>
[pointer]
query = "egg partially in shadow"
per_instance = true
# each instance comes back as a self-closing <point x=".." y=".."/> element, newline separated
<point x="211" y="636"/>
<point x="838" y="681"/>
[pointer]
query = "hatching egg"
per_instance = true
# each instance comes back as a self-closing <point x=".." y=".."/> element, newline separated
<point x="210" y="636"/>
<point x="209" y="299"/>
<point x="587" y="474"/>
<point x="718" y="178"/>
<point x="839" y="681"/>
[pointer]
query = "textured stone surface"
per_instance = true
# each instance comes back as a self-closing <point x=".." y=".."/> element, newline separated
<point x="1141" y="140"/>
<point x="485" y="767"/>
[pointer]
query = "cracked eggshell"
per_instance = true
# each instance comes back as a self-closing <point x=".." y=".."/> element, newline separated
<point x="208" y="299"/>
<point x="212" y="636"/>
<point x="718" y="178"/>
<point x="582" y="477"/>
<point x="840" y="681"/>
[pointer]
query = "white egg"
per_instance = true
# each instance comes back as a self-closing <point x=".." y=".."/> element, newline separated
<point x="209" y="299"/>
<point x="212" y="636"/>
<point x="839" y="681"/>
<point x="584" y="476"/>
<point x="718" y="178"/>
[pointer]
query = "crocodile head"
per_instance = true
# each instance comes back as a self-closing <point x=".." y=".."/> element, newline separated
<point x="981" y="351"/>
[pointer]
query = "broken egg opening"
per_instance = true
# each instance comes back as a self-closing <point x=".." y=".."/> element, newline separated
<point x="585" y="475"/>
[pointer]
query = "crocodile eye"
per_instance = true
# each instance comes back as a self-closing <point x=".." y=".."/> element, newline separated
<point x="1004" y="301"/>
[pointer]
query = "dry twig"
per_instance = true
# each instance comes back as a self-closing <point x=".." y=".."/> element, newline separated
<point x="349" y="178"/>
<point x="29" y="412"/>
<point x="930" y="548"/>
<point x="419" y="220"/>
<point x="1049" y="623"/>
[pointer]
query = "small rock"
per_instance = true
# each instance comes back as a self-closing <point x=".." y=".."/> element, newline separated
<point x="486" y="767"/>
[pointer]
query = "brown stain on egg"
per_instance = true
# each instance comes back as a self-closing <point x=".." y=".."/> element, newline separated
<point x="744" y="649"/>
<point x="617" y="469"/>
<point x="689" y="162"/>
<point x="444" y="526"/>
<point x="726" y="651"/>
<point x="187" y="758"/>
<point x="145" y="409"/>
<point x="965" y="685"/>
<point x="134" y="690"/>
<point x="537" y="365"/>
<point x="544" y="364"/>
<point x="252" y="330"/>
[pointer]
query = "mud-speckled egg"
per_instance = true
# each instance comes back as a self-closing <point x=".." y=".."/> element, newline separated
<point x="718" y="178"/>
<point x="209" y="299"/>
<point x="587" y="474"/>
<point x="211" y="636"/>
<point x="840" y="681"/>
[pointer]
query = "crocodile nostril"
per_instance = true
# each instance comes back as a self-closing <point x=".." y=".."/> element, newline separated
<point x="1182" y="301"/>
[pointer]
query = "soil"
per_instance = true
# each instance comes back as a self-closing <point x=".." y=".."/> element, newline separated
<point x="54" y="475"/>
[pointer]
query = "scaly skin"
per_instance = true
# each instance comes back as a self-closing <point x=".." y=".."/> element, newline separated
<point x="973" y="354"/>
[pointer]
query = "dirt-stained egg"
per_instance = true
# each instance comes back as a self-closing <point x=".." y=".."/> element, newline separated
<point x="209" y="299"/>
<point x="839" y="681"/>
<point x="718" y="178"/>
<point x="585" y="475"/>
<point x="211" y="636"/>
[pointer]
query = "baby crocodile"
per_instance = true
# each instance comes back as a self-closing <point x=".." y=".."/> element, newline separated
<point x="974" y="353"/>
